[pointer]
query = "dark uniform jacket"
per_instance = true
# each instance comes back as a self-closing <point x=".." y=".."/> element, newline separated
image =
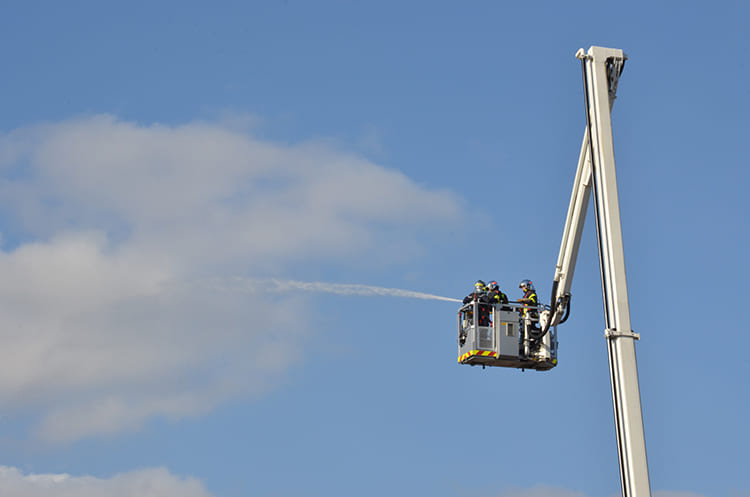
<point x="497" y="297"/>
<point x="484" y="309"/>
<point x="529" y="299"/>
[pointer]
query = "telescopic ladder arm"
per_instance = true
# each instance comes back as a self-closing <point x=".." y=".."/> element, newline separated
<point x="596" y="170"/>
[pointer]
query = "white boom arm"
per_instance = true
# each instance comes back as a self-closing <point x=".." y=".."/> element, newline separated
<point x="596" y="168"/>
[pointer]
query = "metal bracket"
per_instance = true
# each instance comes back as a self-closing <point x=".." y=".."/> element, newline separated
<point x="610" y="333"/>
<point x="614" y="70"/>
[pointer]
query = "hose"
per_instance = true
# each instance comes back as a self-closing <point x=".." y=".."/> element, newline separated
<point x="567" y="312"/>
<point x="549" y="321"/>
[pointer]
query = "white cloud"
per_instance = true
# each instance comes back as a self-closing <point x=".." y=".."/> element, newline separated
<point x="158" y="482"/>
<point x="202" y="187"/>
<point x="107" y="222"/>
<point x="155" y="482"/>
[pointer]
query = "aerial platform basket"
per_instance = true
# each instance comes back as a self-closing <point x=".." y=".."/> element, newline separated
<point x="500" y="335"/>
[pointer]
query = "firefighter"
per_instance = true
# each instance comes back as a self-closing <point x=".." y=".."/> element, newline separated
<point x="529" y="298"/>
<point x="480" y="295"/>
<point x="495" y="295"/>
<point x="480" y="290"/>
<point x="529" y="314"/>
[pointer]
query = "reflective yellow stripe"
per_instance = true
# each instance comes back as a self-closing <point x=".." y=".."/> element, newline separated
<point x="481" y="353"/>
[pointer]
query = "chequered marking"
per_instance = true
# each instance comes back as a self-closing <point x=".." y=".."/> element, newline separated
<point x="480" y="353"/>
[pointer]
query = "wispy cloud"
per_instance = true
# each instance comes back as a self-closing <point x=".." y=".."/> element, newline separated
<point x="155" y="482"/>
<point x="158" y="482"/>
<point x="103" y="223"/>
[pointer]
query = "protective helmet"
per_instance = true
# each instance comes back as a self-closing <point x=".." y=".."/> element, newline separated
<point x="493" y="286"/>
<point x="526" y="285"/>
<point x="480" y="286"/>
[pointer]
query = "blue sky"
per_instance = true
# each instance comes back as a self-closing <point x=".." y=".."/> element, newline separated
<point x="161" y="161"/>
